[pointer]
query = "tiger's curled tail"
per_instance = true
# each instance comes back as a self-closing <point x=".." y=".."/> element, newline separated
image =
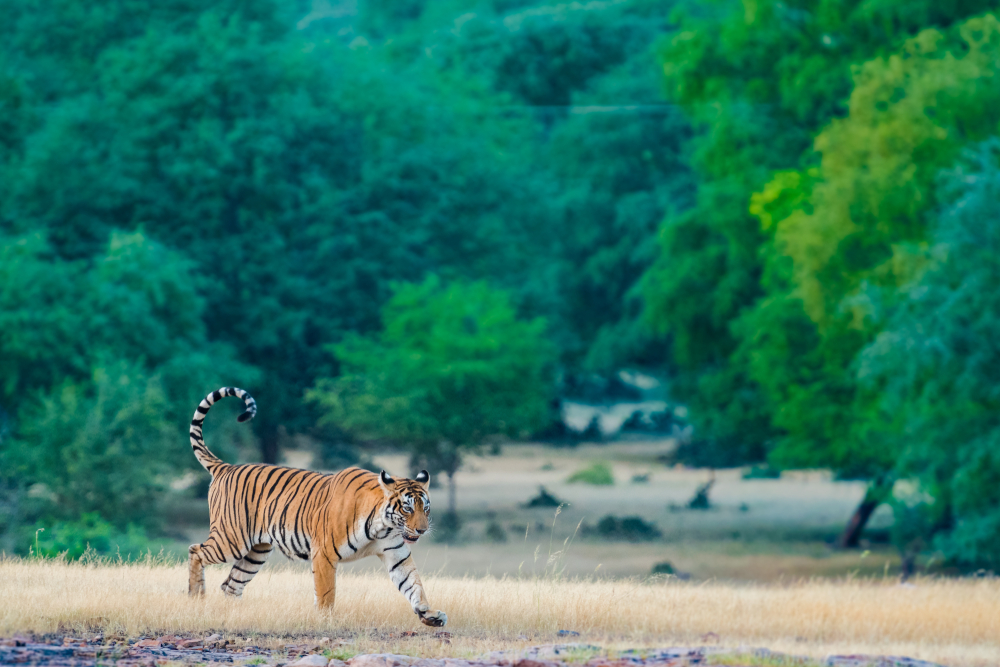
<point x="201" y="452"/>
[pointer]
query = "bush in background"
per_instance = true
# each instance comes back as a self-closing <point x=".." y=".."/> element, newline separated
<point x="628" y="529"/>
<point x="598" y="474"/>
<point x="91" y="533"/>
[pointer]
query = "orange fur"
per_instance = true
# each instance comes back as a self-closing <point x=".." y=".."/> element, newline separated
<point x="326" y="519"/>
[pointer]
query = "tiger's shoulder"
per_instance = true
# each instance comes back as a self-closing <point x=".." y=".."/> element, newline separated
<point x="356" y="480"/>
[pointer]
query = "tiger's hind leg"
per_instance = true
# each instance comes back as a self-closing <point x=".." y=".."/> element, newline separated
<point x="200" y="555"/>
<point x="245" y="569"/>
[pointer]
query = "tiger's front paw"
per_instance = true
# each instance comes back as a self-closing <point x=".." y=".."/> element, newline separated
<point x="434" y="618"/>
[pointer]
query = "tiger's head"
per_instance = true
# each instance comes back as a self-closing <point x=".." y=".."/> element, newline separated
<point x="407" y="504"/>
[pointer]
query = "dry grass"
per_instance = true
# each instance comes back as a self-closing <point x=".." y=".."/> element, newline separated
<point x="955" y="622"/>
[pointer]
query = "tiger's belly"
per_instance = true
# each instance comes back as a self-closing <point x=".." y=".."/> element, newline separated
<point x="362" y="552"/>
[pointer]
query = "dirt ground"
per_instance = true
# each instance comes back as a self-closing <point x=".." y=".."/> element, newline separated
<point x="69" y="651"/>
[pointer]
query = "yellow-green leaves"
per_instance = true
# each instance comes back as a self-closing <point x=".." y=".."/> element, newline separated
<point x="909" y="115"/>
<point x="784" y="193"/>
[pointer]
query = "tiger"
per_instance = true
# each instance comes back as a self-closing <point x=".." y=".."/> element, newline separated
<point x="326" y="519"/>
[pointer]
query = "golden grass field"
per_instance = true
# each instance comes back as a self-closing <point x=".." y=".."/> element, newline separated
<point x="954" y="622"/>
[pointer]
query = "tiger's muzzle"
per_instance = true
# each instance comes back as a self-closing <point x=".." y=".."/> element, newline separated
<point x="411" y="537"/>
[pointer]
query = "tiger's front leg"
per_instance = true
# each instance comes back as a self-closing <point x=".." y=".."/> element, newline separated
<point x="324" y="569"/>
<point x="403" y="573"/>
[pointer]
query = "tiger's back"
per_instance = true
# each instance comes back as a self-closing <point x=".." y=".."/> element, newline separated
<point x="288" y="507"/>
<point x="258" y="503"/>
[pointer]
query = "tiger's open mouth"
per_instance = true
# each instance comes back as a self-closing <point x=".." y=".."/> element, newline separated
<point x="410" y="540"/>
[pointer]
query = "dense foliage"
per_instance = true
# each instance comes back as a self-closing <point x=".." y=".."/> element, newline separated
<point x="452" y="367"/>
<point x="827" y="127"/>
<point x="198" y="194"/>
<point x="783" y="207"/>
<point x="935" y="365"/>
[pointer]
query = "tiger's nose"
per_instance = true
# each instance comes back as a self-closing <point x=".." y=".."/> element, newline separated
<point x="421" y="531"/>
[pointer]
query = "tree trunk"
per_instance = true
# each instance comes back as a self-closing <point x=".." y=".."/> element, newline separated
<point x="874" y="497"/>
<point x="851" y="536"/>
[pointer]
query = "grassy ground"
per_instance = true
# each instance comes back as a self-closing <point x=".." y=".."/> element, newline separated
<point x="954" y="622"/>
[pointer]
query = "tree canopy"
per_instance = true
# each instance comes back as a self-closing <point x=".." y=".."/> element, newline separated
<point x="452" y="367"/>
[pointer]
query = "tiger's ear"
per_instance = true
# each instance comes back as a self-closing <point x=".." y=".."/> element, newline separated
<point x="422" y="478"/>
<point x="386" y="482"/>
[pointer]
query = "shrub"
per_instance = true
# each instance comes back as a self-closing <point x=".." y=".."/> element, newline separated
<point x="700" y="501"/>
<point x="495" y="531"/>
<point x="598" y="474"/>
<point x="663" y="568"/>
<point x="91" y="532"/>
<point x="544" y="499"/>
<point x="628" y="528"/>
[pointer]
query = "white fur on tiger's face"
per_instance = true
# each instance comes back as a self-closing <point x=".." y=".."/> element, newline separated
<point x="325" y="519"/>
<point x="408" y="505"/>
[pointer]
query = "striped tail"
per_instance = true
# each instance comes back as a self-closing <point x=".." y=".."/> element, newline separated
<point x="206" y="458"/>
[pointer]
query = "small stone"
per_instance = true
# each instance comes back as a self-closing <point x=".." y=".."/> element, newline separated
<point x="536" y="663"/>
<point x="312" y="660"/>
<point x="381" y="660"/>
<point x="147" y="643"/>
<point x="169" y="639"/>
<point x="212" y="638"/>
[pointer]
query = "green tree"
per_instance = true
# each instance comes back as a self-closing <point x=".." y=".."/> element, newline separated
<point x="844" y="239"/>
<point x="935" y="367"/>
<point x="103" y="446"/>
<point x="759" y="81"/>
<point x="605" y="148"/>
<point x="137" y="301"/>
<point x="452" y="367"/>
<point x="620" y="166"/>
<point x="300" y="178"/>
<point x="102" y="362"/>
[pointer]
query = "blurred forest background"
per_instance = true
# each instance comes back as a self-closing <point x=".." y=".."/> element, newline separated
<point x="429" y="225"/>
